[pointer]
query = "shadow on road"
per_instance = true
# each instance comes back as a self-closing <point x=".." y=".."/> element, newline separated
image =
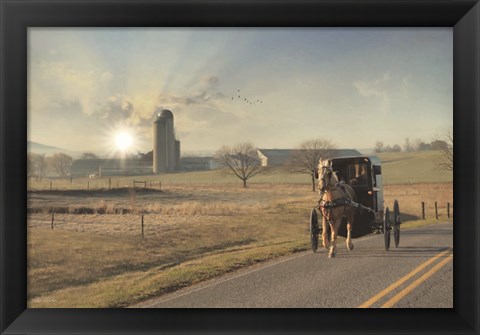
<point x="408" y="251"/>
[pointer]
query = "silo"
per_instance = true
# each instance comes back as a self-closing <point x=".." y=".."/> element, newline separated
<point x="163" y="142"/>
<point x="177" y="155"/>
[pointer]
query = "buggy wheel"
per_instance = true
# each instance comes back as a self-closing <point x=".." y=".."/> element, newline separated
<point x="314" y="230"/>
<point x="386" y="229"/>
<point x="396" y="223"/>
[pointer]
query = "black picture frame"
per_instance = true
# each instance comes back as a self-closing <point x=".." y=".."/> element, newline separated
<point x="18" y="15"/>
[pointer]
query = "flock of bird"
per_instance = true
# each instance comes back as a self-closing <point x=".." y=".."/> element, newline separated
<point x="248" y="101"/>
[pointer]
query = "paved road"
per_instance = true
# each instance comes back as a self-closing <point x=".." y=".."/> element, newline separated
<point x="417" y="274"/>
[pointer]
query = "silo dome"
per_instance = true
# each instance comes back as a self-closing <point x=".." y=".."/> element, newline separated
<point x="163" y="114"/>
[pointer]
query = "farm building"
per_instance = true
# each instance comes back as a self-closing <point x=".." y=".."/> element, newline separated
<point x="110" y="167"/>
<point x="197" y="163"/>
<point x="280" y="157"/>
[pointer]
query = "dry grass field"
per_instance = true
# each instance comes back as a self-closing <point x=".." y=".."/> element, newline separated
<point x="204" y="230"/>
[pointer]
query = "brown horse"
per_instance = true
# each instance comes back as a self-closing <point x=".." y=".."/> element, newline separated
<point x="334" y="202"/>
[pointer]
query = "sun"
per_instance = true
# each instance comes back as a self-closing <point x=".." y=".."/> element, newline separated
<point x="123" y="141"/>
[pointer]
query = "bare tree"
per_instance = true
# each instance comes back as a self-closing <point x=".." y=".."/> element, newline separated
<point x="305" y="159"/>
<point x="408" y="146"/>
<point x="379" y="146"/>
<point x="31" y="169"/>
<point x="61" y="164"/>
<point x="37" y="165"/>
<point x="444" y="143"/>
<point x="241" y="159"/>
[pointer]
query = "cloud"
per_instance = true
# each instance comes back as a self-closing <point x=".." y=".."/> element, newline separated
<point x="94" y="93"/>
<point x="63" y="81"/>
<point x="117" y="109"/>
<point x="70" y="108"/>
<point x="211" y="82"/>
<point x="374" y="88"/>
<point x="201" y="98"/>
<point x="204" y="110"/>
<point x="206" y="93"/>
<point x="377" y="88"/>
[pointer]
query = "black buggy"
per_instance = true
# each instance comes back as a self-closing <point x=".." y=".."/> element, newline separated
<point x="364" y="174"/>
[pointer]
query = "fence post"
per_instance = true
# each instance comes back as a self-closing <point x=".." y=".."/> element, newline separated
<point x="436" y="211"/>
<point x="160" y="182"/>
<point x="50" y="185"/>
<point x="448" y="210"/>
<point x="88" y="185"/>
<point x="145" y="184"/>
<point x="423" y="210"/>
<point x="53" y="217"/>
<point x="142" y="227"/>
<point x="109" y="183"/>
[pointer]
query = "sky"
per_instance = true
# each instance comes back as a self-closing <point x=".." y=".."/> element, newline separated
<point x="353" y="86"/>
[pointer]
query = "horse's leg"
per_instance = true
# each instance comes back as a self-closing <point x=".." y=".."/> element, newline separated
<point x="349" y="238"/>
<point x="349" y="230"/>
<point x="324" y="233"/>
<point x="333" y="241"/>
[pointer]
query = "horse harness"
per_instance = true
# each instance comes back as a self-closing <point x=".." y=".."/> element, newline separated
<point x="326" y="207"/>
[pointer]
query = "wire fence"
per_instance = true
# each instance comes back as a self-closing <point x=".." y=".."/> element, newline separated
<point x="91" y="184"/>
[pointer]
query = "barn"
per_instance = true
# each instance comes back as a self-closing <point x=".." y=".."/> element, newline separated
<point x="280" y="157"/>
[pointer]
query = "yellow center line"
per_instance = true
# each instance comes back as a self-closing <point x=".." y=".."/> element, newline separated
<point x="399" y="282"/>
<point x="417" y="282"/>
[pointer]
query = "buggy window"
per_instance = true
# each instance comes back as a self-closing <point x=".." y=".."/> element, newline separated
<point x="357" y="174"/>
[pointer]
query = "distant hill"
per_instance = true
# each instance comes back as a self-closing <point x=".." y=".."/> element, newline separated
<point x="38" y="148"/>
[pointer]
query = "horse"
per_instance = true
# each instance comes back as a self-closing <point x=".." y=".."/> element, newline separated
<point x="334" y="204"/>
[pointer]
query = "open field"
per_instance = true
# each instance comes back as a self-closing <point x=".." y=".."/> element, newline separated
<point x="413" y="168"/>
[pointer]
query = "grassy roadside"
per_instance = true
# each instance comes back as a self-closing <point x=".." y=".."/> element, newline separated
<point x="420" y="223"/>
<point x="133" y="287"/>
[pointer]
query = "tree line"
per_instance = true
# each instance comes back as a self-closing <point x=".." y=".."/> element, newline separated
<point x="410" y="146"/>
<point x="58" y="164"/>
<point x="40" y="165"/>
